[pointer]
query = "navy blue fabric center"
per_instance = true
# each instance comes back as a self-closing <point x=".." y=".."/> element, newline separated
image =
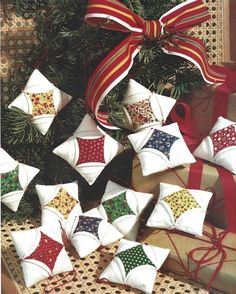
<point x="88" y="224"/>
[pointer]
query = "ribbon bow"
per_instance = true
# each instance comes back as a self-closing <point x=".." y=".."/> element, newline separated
<point x="168" y="30"/>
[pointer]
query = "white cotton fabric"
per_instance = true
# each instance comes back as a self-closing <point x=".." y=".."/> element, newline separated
<point x="47" y="193"/>
<point x="160" y="105"/>
<point x="225" y="157"/>
<point x="25" y="175"/>
<point x="38" y="83"/>
<point x="152" y="160"/>
<point x="69" y="150"/>
<point x="128" y="224"/>
<point x="190" y="221"/>
<point x="26" y="243"/>
<point x="141" y="277"/>
<point x="85" y="242"/>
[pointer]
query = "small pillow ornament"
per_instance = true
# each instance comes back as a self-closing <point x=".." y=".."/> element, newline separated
<point x="59" y="203"/>
<point x="89" y="231"/>
<point x="42" y="100"/>
<point x="89" y="150"/>
<point x="15" y="178"/>
<point x="219" y="147"/>
<point x="122" y="207"/>
<point x="160" y="148"/>
<point x="135" y="264"/>
<point x="181" y="209"/>
<point x="144" y="108"/>
<point x="41" y="252"/>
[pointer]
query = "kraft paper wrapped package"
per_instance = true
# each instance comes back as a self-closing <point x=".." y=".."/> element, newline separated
<point x="202" y="103"/>
<point x="210" y="259"/>
<point x="210" y="181"/>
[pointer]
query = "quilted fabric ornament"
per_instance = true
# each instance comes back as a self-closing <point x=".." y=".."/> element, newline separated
<point x="219" y="147"/>
<point x="59" y="203"/>
<point x="89" y="231"/>
<point x="144" y="108"/>
<point x="41" y="252"/>
<point x="181" y="209"/>
<point x="122" y="208"/>
<point x="89" y="150"/>
<point x="135" y="264"/>
<point x="160" y="148"/>
<point x="42" y="100"/>
<point x="15" y="178"/>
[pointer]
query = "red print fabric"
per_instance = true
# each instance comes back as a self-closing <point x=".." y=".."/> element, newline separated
<point x="223" y="138"/>
<point x="91" y="150"/>
<point x="47" y="251"/>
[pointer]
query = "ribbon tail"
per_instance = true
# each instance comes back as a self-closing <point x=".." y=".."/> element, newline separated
<point x="193" y="49"/>
<point x="114" y="67"/>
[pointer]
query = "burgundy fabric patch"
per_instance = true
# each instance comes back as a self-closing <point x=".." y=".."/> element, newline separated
<point x="223" y="138"/>
<point x="47" y="251"/>
<point x="91" y="150"/>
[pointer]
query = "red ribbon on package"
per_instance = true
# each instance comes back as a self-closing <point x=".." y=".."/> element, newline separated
<point x="221" y="96"/>
<point x="168" y="31"/>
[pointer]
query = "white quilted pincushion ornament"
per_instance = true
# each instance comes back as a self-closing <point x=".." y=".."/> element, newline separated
<point x="219" y="147"/>
<point x="89" y="231"/>
<point x="181" y="209"/>
<point x="160" y="148"/>
<point x="59" y="203"/>
<point x="89" y="150"/>
<point x="122" y="207"/>
<point x="42" y="100"/>
<point x="144" y="108"/>
<point x="15" y="178"/>
<point x="41" y="252"/>
<point x="135" y="264"/>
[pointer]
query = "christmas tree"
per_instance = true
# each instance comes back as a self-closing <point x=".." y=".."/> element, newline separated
<point x="68" y="52"/>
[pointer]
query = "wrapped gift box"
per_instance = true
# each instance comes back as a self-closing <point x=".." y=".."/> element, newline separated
<point x="210" y="181"/>
<point x="210" y="260"/>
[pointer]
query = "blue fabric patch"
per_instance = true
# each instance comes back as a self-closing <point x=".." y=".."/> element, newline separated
<point x="161" y="141"/>
<point x="88" y="224"/>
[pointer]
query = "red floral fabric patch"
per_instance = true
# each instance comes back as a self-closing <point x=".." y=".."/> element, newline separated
<point x="47" y="251"/>
<point x="223" y="138"/>
<point x="91" y="150"/>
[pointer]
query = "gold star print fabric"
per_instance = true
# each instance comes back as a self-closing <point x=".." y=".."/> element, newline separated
<point x="181" y="202"/>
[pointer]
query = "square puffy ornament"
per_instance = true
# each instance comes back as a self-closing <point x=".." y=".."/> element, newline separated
<point x="15" y="178"/>
<point x="135" y="264"/>
<point x="41" y="252"/>
<point x="160" y="148"/>
<point x="89" y="150"/>
<point x="122" y="207"/>
<point x="89" y="231"/>
<point x="144" y="108"/>
<point x="59" y="203"/>
<point x="219" y="147"/>
<point x="181" y="209"/>
<point x="42" y="100"/>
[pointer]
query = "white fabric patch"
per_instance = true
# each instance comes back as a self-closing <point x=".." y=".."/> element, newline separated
<point x="89" y="231"/>
<point x="26" y="173"/>
<point x="122" y="207"/>
<point x="160" y="148"/>
<point x="52" y="259"/>
<point x="70" y="151"/>
<point x="181" y="209"/>
<point x="219" y="147"/>
<point x="38" y="83"/>
<point x="135" y="264"/>
<point x="144" y="108"/>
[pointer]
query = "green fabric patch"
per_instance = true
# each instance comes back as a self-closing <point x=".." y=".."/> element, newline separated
<point x="10" y="181"/>
<point x="134" y="257"/>
<point x="117" y="207"/>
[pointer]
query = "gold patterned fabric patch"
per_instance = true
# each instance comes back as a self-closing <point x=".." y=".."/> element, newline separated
<point x="181" y="202"/>
<point x="63" y="202"/>
<point x="42" y="103"/>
